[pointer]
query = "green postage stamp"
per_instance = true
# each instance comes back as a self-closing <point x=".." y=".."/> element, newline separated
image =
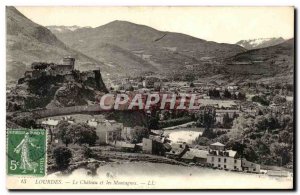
<point x="26" y="151"/>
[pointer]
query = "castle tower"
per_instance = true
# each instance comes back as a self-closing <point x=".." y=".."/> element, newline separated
<point x="69" y="61"/>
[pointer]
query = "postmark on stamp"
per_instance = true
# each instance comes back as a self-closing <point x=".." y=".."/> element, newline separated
<point x="26" y="151"/>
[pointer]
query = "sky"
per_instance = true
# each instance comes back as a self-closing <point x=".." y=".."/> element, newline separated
<point x="219" y="24"/>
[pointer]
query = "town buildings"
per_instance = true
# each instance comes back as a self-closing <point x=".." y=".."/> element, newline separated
<point x="221" y="158"/>
<point x="250" y="166"/>
<point x="196" y="156"/>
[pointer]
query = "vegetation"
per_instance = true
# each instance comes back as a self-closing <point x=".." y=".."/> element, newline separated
<point x="214" y="93"/>
<point x="261" y="99"/>
<point x="64" y="133"/>
<point x="79" y="133"/>
<point x="88" y="152"/>
<point x="268" y="139"/>
<point x="137" y="134"/>
<point x="174" y="122"/>
<point x="84" y="134"/>
<point x="62" y="156"/>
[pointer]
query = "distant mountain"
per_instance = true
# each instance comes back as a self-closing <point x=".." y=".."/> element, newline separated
<point x="130" y="48"/>
<point x="65" y="29"/>
<point x="124" y="48"/>
<point x="28" y="42"/>
<point x="260" y="42"/>
<point x="270" y="64"/>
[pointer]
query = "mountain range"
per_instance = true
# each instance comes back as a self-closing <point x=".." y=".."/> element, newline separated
<point x="56" y="29"/>
<point x="270" y="64"/>
<point x="260" y="42"/>
<point x="122" y="48"/>
<point x="132" y="48"/>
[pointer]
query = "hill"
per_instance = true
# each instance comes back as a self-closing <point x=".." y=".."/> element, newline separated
<point x="260" y="42"/>
<point x="270" y="64"/>
<point x="131" y="48"/>
<point x="28" y="42"/>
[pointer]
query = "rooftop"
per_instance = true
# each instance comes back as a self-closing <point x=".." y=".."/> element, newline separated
<point x="192" y="153"/>
<point x="217" y="144"/>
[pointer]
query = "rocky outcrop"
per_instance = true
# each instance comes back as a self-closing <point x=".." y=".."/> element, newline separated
<point x="49" y="91"/>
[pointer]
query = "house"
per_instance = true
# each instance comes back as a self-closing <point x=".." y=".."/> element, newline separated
<point x="49" y="124"/>
<point x="199" y="147"/>
<point x="157" y="86"/>
<point x="108" y="131"/>
<point x="151" y="146"/>
<point x="232" y="88"/>
<point x="177" y="151"/>
<point x="195" y="155"/>
<point x="250" y="166"/>
<point x="126" y="133"/>
<point x="109" y="135"/>
<point x="217" y="146"/>
<point x="92" y="122"/>
<point x="221" y="113"/>
<point x="149" y="82"/>
<point x="127" y="147"/>
<point x="278" y="173"/>
<point x="219" y="157"/>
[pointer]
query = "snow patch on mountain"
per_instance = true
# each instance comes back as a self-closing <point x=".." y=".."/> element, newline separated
<point x="260" y="42"/>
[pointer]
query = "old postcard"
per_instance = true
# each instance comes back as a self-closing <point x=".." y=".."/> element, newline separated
<point x="150" y="97"/>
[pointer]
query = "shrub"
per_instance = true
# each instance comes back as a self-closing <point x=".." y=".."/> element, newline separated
<point x="88" y="152"/>
<point x="262" y="100"/>
<point x="174" y="122"/>
<point x="62" y="156"/>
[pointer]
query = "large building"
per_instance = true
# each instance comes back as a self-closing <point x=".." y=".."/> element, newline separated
<point x="221" y="158"/>
<point x="108" y="131"/>
<point x="39" y="68"/>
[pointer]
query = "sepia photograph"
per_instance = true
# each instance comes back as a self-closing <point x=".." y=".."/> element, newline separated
<point x="150" y="98"/>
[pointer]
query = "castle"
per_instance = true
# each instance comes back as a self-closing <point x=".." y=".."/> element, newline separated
<point x="41" y="68"/>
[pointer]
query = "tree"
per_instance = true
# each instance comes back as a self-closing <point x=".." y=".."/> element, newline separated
<point x="209" y="133"/>
<point x="260" y="99"/>
<point x="227" y="121"/>
<point x="227" y="94"/>
<point x="204" y="141"/>
<point x="241" y="96"/>
<point x="282" y="152"/>
<point x="214" y="93"/>
<point x="64" y="132"/>
<point x="26" y="120"/>
<point x="62" y="156"/>
<point x="238" y="146"/>
<point x="279" y="99"/>
<point x="192" y="84"/>
<point x="153" y="122"/>
<point x="88" y="152"/>
<point x="206" y="119"/>
<point x="285" y="137"/>
<point x="222" y="139"/>
<point x="250" y="154"/>
<point x="138" y="133"/>
<point x="84" y="134"/>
